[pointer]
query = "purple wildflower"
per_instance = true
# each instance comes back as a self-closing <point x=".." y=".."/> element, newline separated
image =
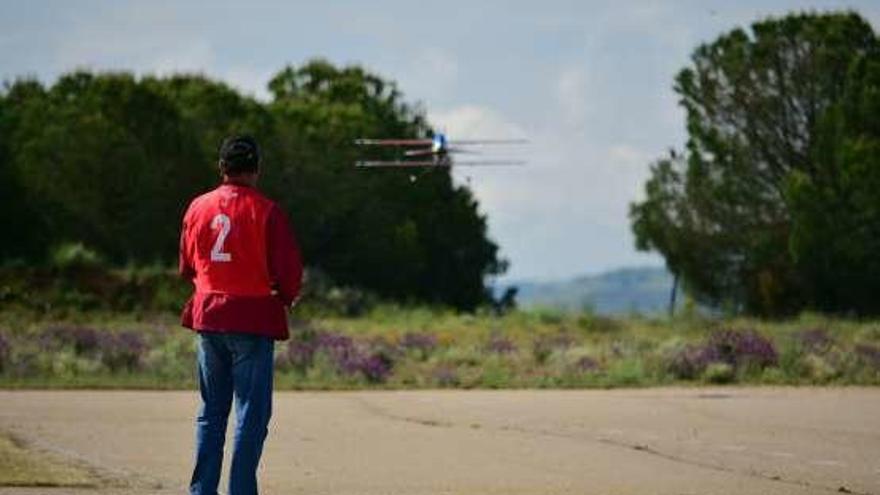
<point x="349" y="357"/>
<point x="500" y="345"/>
<point x="4" y="351"/>
<point x="422" y="343"/>
<point x="735" y="348"/>
<point x="586" y="364"/>
<point x="689" y="361"/>
<point x="84" y="340"/>
<point x="816" y="340"/>
<point x="122" y="351"/>
<point x="376" y="367"/>
<point x="738" y="348"/>
<point x="340" y="348"/>
<point x="544" y="345"/>
<point x="301" y="353"/>
<point x="445" y="376"/>
<point x="870" y="354"/>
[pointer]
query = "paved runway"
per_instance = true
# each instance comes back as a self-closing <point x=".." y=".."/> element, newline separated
<point x="654" y="441"/>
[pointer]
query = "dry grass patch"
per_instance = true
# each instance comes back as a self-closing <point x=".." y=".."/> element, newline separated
<point x="21" y="466"/>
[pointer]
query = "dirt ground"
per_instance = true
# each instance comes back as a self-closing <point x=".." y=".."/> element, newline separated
<point x="655" y="441"/>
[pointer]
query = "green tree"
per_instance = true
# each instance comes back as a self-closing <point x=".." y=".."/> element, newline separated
<point x="376" y="229"/>
<point x="105" y="161"/>
<point x="111" y="161"/>
<point x="769" y="206"/>
<point x="18" y="219"/>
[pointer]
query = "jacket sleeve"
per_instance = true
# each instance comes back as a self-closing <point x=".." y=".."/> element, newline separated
<point x="185" y="263"/>
<point x="285" y="261"/>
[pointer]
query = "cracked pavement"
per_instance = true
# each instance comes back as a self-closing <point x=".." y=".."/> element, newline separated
<point x="651" y="441"/>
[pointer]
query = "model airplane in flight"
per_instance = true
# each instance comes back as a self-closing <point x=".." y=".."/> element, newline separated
<point x="434" y="152"/>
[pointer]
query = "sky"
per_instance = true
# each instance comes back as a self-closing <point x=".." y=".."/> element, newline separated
<point x="588" y="83"/>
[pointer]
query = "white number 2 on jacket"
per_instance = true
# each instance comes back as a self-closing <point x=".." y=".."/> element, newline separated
<point x="221" y="222"/>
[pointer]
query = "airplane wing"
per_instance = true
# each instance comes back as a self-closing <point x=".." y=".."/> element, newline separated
<point x="393" y="142"/>
<point x="489" y="163"/>
<point x="464" y="151"/>
<point x="428" y="164"/>
<point x="421" y="152"/>
<point x="400" y="164"/>
<point x="430" y="152"/>
<point x="453" y="142"/>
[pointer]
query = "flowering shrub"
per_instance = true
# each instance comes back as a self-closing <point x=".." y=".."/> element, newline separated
<point x="500" y="345"/>
<point x="741" y="348"/>
<point x="515" y="352"/>
<point x="445" y="376"/>
<point x="545" y="345"/>
<point x="869" y="354"/>
<point x="122" y="351"/>
<point x="738" y="349"/>
<point x="300" y="353"/>
<point x="348" y="357"/>
<point x="4" y="351"/>
<point x="117" y="351"/>
<point x="420" y="343"/>
<point x="83" y="340"/>
<point x="375" y="367"/>
<point x="586" y="364"/>
<point x="688" y="361"/>
<point x="815" y="340"/>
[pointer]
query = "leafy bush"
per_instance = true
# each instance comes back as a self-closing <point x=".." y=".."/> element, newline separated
<point x="818" y="369"/>
<point x="738" y="349"/>
<point x="545" y="345"/>
<point x="73" y="256"/>
<point x="687" y="362"/>
<point x="499" y="344"/>
<point x="868" y="354"/>
<point x="4" y="351"/>
<point x="83" y="340"/>
<point x="816" y="340"/>
<point x="598" y="324"/>
<point x="453" y="351"/>
<point x="347" y="356"/>
<point x="741" y="349"/>
<point x="445" y="376"/>
<point x="300" y="354"/>
<point x="719" y="373"/>
<point x="586" y="364"/>
<point x="122" y="351"/>
<point x="626" y="372"/>
<point x="422" y="344"/>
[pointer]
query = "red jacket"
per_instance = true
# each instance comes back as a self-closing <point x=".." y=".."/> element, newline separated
<point x="242" y="257"/>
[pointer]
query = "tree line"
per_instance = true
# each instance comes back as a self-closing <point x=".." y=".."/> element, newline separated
<point x="773" y="205"/>
<point x="111" y="160"/>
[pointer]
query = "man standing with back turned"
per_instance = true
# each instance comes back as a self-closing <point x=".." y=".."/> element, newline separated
<point x="240" y="253"/>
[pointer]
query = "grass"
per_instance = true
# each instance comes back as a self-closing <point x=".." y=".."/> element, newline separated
<point x="409" y="348"/>
<point x="20" y="466"/>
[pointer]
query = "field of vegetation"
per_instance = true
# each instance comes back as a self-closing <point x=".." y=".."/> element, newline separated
<point x="394" y="347"/>
<point x="77" y="323"/>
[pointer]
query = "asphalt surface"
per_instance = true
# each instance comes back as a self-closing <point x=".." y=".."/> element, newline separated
<point x="654" y="441"/>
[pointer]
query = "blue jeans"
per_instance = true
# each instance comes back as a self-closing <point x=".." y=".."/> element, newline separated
<point x="239" y="365"/>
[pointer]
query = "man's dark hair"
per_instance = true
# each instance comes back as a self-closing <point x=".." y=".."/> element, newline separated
<point x="239" y="154"/>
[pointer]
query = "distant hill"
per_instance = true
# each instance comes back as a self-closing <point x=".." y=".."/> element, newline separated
<point x="643" y="290"/>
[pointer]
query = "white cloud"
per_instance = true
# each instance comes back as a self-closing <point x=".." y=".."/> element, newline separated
<point x="437" y="64"/>
<point x="252" y="81"/>
<point x="188" y="56"/>
<point x="473" y="122"/>
<point x="146" y="37"/>
<point x="570" y="91"/>
<point x="432" y="74"/>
